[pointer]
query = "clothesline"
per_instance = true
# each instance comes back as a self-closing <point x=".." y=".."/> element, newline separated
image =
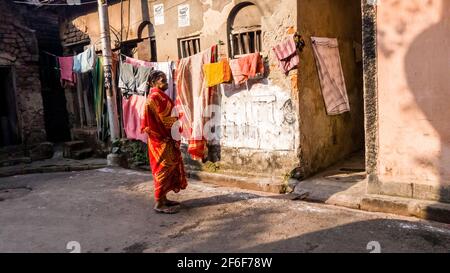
<point x="49" y="4"/>
<point x="48" y="53"/>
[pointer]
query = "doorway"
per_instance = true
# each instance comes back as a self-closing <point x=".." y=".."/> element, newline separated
<point x="8" y="110"/>
<point x="327" y="140"/>
<point x="54" y="100"/>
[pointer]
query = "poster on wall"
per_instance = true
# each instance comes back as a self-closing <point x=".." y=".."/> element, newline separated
<point x="183" y="16"/>
<point x="158" y="12"/>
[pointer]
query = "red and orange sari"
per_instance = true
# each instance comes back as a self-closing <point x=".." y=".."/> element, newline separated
<point x="164" y="152"/>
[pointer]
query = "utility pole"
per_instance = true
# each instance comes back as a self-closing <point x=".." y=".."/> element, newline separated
<point x="110" y="88"/>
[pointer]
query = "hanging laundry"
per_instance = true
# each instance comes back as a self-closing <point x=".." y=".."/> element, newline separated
<point x="101" y="113"/>
<point x="251" y="65"/>
<point x="77" y="63"/>
<point x="85" y="61"/>
<point x="217" y="73"/>
<point x="192" y="98"/>
<point x="127" y="81"/>
<point x="246" y="67"/>
<point x="238" y="77"/>
<point x="134" y="80"/>
<point x="166" y="67"/>
<point x="66" y="71"/>
<point x="137" y="63"/>
<point x="132" y="113"/>
<point x="332" y="82"/>
<point x="286" y="53"/>
<point x="141" y="76"/>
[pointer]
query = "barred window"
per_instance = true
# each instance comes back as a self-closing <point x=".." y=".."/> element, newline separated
<point x="244" y="30"/>
<point x="188" y="46"/>
<point x="245" y="41"/>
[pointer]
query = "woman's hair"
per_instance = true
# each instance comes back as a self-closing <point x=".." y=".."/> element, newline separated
<point x="154" y="76"/>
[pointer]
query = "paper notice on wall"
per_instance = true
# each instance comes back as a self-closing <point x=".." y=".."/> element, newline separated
<point x="158" y="12"/>
<point x="183" y="16"/>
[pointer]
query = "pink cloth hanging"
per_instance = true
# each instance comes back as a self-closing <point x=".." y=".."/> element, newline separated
<point x="132" y="112"/>
<point x="331" y="75"/>
<point x="286" y="53"/>
<point x="136" y="62"/>
<point x="246" y="67"/>
<point x="66" y="70"/>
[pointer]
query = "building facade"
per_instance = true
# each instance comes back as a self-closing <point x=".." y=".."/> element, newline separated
<point x="394" y="60"/>
<point x="258" y="123"/>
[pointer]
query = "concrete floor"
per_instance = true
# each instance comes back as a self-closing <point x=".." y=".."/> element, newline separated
<point x="110" y="210"/>
<point x="342" y="184"/>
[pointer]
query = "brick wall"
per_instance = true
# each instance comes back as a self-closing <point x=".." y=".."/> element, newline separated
<point x="19" y="51"/>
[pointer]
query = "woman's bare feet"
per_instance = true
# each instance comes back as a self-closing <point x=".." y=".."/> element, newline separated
<point x="170" y="203"/>
<point x="161" y="207"/>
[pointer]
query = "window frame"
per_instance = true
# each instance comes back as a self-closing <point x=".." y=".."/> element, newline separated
<point x="193" y="46"/>
<point x="249" y="40"/>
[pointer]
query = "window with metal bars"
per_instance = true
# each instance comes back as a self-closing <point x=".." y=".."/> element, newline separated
<point x="245" y="41"/>
<point x="188" y="46"/>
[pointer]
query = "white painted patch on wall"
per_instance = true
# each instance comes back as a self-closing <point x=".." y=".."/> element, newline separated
<point x="260" y="117"/>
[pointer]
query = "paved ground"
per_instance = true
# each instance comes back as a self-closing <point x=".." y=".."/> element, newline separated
<point x="109" y="210"/>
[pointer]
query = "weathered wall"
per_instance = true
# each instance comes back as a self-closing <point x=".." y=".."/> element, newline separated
<point x="413" y="91"/>
<point x="85" y="27"/>
<point x="327" y="139"/>
<point x="19" y="50"/>
<point x="167" y="34"/>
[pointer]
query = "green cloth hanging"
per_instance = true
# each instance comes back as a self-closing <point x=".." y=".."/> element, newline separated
<point x="101" y="114"/>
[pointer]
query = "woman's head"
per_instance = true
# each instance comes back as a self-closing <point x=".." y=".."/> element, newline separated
<point x="158" y="79"/>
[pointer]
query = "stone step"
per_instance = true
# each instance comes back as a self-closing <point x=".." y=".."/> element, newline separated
<point x="14" y="161"/>
<point x="42" y="151"/>
<point x="70" y="147"/>
<point x="82" y="154"/>
<point x="85" y="134"/>
<point x="263" y="184"/>
<point x="12" y="151"/>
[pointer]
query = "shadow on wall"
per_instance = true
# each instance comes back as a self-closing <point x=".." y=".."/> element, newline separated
<point x="427" y="66"/>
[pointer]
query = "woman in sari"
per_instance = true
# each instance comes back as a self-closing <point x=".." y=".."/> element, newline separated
<point x="164" y="152"/>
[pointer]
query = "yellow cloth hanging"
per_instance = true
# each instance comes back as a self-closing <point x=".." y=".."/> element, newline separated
<point x="217" y="73"/>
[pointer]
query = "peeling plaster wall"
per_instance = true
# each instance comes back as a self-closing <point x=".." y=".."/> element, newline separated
<point x="254" y="118"/>
<point x="413" y="90"/>
<point x="328" y="139"/>
<point x="259" y="128"/>
<point x="19" y="51"/>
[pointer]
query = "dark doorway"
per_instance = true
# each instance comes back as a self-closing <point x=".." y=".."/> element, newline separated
<point x="8" y="111"/>
<point x="54" y="100"/>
